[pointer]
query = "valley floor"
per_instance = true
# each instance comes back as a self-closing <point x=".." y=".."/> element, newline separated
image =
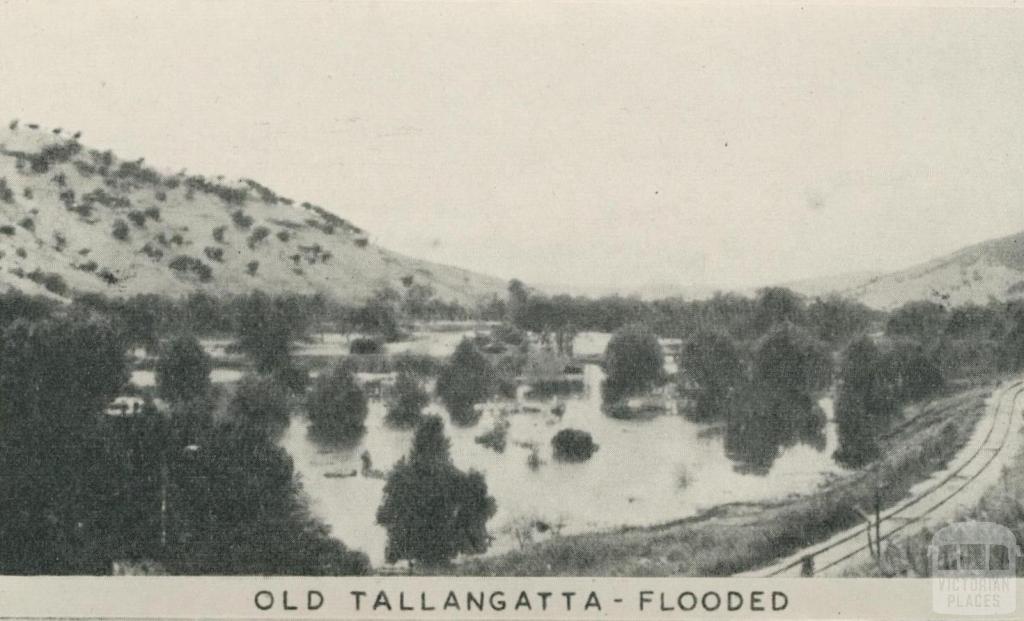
<point x="737" y="538"/>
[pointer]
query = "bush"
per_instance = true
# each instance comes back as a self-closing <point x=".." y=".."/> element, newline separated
<point x="573" y="445"/>
<point x="284" y="235"/>
<point x="365" y="346"/>
<point x="6" y="193"/>
<point x="28" y="224"/>
<point x="214" y="254"/>
<point x="7" y="229"/>
<point x="51" y="281"/>
<point x="406" y="407"/>
<point x="241" y="219"/>
<point x="337" y="407"/>
<point x="259" y="234"/>
<point x="252" y="267"/>
<point x="218" y="234"/>
<point x="184" y="263"/>
<point x="120" y="230"/>
<point x="137" y="218"/>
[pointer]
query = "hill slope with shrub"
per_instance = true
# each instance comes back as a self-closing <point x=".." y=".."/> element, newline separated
<point x="75" y="219"/>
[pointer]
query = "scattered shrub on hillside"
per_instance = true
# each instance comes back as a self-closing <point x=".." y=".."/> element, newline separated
<point x="153" y="213"/>
<point x="241" y="219"/>
<point x="59" y="179"/>
<point x="6" y="193"/>
<point x="7" y="229"/>
<point x="266" y="194"/>
<point x="152" y="251"/>
<point x="284" y="235"/>
<point x="183" y="263"/>
<point x="27" y="193"/>
<point x="214" y="254"/>
<point x="137" y="218"/>
<point x="573" y="445"/>
<point x="28" y="224"/>
<point x="59" y="241"/>
<point x="21" y="252"/>
<point x="120" y="230"/>
<point x="161" y="195"/>
<point x="68" y="198"/>
<point x="252" y="267"/>
<point x="137" y="172"/>
<point x="259" y="234"/>
<point x="218" y="234"/>
<point x="365" y="346"/>
<point x="298" y="271"/>
<point x="54" y="154"/>
<point x="108" y="277"/>
<point x="88" y="266"/>
<point x="231" y="196"/>
<point x="51" y="281"/>
<point x="84" y="168"/>
<point x="101" y="196"/>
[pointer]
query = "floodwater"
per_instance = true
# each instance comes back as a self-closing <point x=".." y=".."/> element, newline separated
<point x="645" y="471"/>
<point x="217" y="376"/>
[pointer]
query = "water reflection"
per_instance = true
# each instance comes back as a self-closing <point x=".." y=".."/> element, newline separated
<point x="646" y="471"/>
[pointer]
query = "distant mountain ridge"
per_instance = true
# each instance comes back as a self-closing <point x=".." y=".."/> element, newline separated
<point x="75" y="219"/>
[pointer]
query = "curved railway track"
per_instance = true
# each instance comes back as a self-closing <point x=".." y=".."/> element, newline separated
<point x="842" y="547"/>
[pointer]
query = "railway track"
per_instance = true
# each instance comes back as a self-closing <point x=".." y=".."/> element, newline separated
<point x="972" y="463"/>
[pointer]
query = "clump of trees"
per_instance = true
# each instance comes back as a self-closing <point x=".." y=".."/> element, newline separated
<point x="715" y="364"/>
<point x="633" y="363"/>
<point x="407" y="402"/>
<point x="183" y="370"/>
<point x="467" y="379"/>
<point x="336" y="407"/>
<point x="573" y="445"/>
<point x="432" y="510"/>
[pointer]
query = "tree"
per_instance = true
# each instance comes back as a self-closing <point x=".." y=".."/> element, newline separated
<point x="920" y="320"/>
<point x="59" y="470"/>
<point x="265" y="329"/>
<point x="406" y="407"/>
<point x="236" y="508"/>
<point x="790" y="361"/>
<point x="573" y="445"/>
<point x="776" y="305"/>
<point x="467" y="379"/>
<point x="183" y="370"/>
<point x="337" y="407"/>
<point x="633" y="363"/>
<point x="866" y="405"/>
<point x="433" y="511"/>
<point x="260" y="402"/>
<point x="713" y="361"/>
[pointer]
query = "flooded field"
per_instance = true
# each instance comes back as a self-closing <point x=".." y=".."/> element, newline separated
<point x="645" y="471"/>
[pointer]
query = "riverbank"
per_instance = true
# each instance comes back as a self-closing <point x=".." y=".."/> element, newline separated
<point x="740" y="537"/>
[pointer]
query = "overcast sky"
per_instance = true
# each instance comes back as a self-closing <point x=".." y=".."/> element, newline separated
<point x="600" y="144"/>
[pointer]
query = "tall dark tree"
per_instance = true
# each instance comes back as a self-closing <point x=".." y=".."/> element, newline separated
<point x="633" y="363"/>
<point x="467" y="379"/>
<point x="260" y="402"/>
<point x="433" y="511"/>
<point x="236" y="508"/>
<point x="337" y="407"/>
<point x="60" y="473"/>
<point x="406" y="407"/>
<point x="266" y="329"/>
<point x="919" y="320"/>
<point x="776" y="305"/>
<point x="713" y="361"/>
<point x="183" y="370"/>
<point x="866" y="405"/>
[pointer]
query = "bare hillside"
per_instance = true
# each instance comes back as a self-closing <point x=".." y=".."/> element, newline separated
<point x="75" y="219"/>
<point x="990" y="270"/>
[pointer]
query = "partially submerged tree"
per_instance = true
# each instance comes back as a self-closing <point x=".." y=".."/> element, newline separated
<point x="260" y="402"/>
<point x="466" y="380"/>
<point x="714" y="363"/>
<point x="337" y="407"/>
<point x="633" y="363"/>
<point x="183" y="370"/>
<point x="573" y="445"/>
<point x="406" y="407"/>
<point x="866" y="405"/>
<point x="433" y="511"/>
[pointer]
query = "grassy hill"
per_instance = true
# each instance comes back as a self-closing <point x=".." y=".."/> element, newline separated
<point x="990" y="270"/>
<point x="76" y="219"/>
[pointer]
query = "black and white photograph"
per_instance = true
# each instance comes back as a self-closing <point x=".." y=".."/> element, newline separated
<point x="568" y="289"/>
